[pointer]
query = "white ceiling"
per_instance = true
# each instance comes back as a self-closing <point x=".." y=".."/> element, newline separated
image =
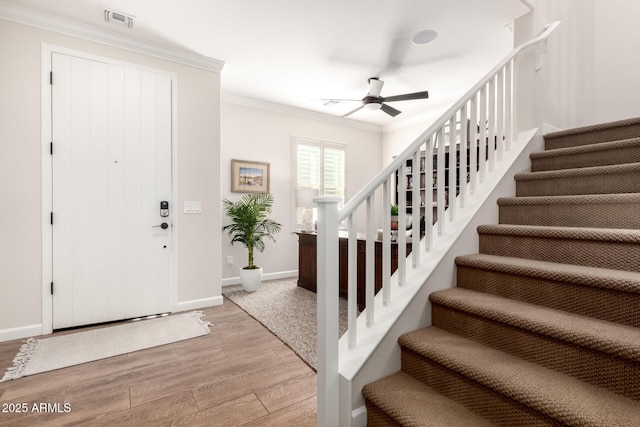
<point x="298" y="52"/>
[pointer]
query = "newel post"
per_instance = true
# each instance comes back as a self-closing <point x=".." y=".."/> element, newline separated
<point x="327" y="365"/>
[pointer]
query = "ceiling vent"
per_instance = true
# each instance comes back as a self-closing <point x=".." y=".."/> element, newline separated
<point x="118" y="18"/>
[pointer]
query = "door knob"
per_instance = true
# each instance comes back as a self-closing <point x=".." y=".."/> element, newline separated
<point x="164" y="226"/>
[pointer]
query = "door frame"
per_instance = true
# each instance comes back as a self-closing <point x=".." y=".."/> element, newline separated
<point x="47" y="174"/>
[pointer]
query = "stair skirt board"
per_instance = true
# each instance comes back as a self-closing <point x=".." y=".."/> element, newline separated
<point x="543" y="327"/>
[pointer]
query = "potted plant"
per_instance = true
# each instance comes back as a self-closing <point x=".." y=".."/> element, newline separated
<point x="250" y="225"/>
<point x="394" y="217"/>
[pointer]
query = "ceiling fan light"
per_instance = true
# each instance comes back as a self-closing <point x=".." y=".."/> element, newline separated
<point x="424" y="37"/>
<point x="373" y="106"/>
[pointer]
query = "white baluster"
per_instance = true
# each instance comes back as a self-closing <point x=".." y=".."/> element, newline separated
<point x="352" y="293"/>
<point x="482" y="160"/>
<point x="451" y="200"/>
<point x="473" y="144"/>
<point x="464" y="134"/>
<point x="500" y="114"/>
<point x="508" y="102"/>
<point x="428" y="193"/>
<point x="370" y="259"/>
<point x="386" y="242"/>
<point x="416" y="208"/>
<point x="440" y="184"/>
<point x="491" y="123"/>
<point x="401" y="239"/>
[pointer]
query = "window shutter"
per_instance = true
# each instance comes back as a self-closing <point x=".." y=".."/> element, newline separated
<point x="319" y="166"/>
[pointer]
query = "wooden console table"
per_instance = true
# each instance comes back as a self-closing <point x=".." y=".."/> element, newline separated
<point x="307" y="264"/>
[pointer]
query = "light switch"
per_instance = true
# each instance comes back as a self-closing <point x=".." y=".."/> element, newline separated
<point x="192" y="207"/>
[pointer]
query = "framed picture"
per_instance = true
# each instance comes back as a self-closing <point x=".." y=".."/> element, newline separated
<point x="249" y="177"/>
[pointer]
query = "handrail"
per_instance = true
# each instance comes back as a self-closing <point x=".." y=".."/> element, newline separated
<point x="378" y="180"/>
<point x="490" y="101"/>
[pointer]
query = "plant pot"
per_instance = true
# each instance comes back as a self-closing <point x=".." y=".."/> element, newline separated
<point x="251" y="278"/>
<point x="394" y="222"/>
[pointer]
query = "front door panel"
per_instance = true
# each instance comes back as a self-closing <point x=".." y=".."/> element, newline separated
<point x="111" y="129"/>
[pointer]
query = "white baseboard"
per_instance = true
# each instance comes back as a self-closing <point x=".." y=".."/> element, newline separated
<point x="267" y="276"/>
<point x="547" y="128"/>
<point x="359" y="417"/>
<point x="20" y="332"/>
<point x="198" y="303"/>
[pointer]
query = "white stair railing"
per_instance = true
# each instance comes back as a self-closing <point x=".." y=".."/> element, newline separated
<point x="481" y="124"/>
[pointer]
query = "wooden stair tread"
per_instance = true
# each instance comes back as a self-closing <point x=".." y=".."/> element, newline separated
<point x="412" y="403"/>
<point x="557" y="395"/>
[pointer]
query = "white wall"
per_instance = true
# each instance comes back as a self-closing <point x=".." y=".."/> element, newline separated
<point x="198" y="151"/>
<point x="591" y="69"/>
<point x="254" y="131"/>
<point x="617" y="64"/>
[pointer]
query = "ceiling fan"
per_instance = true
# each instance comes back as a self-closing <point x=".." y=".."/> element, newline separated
<point x="374" y="101"/>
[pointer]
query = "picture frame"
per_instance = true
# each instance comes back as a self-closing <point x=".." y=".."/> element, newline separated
<point x="249" y="176"/>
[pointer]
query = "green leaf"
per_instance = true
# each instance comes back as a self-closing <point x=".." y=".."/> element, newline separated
<point x="250" y="223"/>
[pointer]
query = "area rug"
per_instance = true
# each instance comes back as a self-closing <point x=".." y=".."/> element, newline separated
<point x="288" y="311"/>
<point x="41" y="355"/>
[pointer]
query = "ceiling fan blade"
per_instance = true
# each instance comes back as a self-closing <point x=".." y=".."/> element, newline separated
<point x="390" y="110"/>
<point x="375" y="87"/>
<point x="407" y="96"/>
<point x="353" y="111"/>
<point x="340" y="99"/>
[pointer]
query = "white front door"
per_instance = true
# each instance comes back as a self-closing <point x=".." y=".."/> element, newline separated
<point x="111" y="128"/>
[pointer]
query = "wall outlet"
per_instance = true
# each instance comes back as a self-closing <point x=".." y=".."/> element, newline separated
<point x="229" y="260"/>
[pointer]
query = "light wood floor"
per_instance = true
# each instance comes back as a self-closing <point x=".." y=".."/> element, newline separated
<point x="239" y="375"/>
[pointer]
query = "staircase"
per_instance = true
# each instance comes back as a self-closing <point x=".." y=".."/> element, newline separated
<point x="543" y="327"/>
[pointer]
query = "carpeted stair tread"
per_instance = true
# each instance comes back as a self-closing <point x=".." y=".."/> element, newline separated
<point x="575" y="199"/>
<point x="600" y="154"/>
<point x="578" y="172"/>
<point x="593" y="210"/>
<point x="411" y="403"/>
<point x="623" y="178"/>
<point x="607" y="337"/>
<point x="592" y="134"/>
<point x="618" y="280"/>
<point x="561" y="397"/>
<point x="595" y="247"/>
<point x="577" y="233"/>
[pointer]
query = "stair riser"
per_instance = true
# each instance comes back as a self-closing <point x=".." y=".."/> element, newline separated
<point x="596" y="215"/>
<point x="602" y="370"/>
<point x="593" y="253"/>
<point x="594" y="137"/>
<point x="376" y="417"/>
<point x="482" y="400"/>
<point x="585" y="160"/>
<point x="578" y="184"/>
<point x="583" y="300"/>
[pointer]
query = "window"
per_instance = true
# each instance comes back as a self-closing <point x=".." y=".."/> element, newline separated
<point x="318" y="165"/>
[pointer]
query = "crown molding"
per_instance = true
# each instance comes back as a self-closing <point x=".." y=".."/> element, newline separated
<point x="58" y="24"/>
<point x="299" y="112"/>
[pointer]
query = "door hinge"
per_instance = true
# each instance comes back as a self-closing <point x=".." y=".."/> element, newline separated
<point x="51" y="148"/>
<point x="51" y="218"/>
<point x="50" y="77"/>
<point x="51" y="288"/>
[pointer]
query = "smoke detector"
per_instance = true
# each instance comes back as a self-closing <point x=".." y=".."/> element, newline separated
<point x="118" y="18"/>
